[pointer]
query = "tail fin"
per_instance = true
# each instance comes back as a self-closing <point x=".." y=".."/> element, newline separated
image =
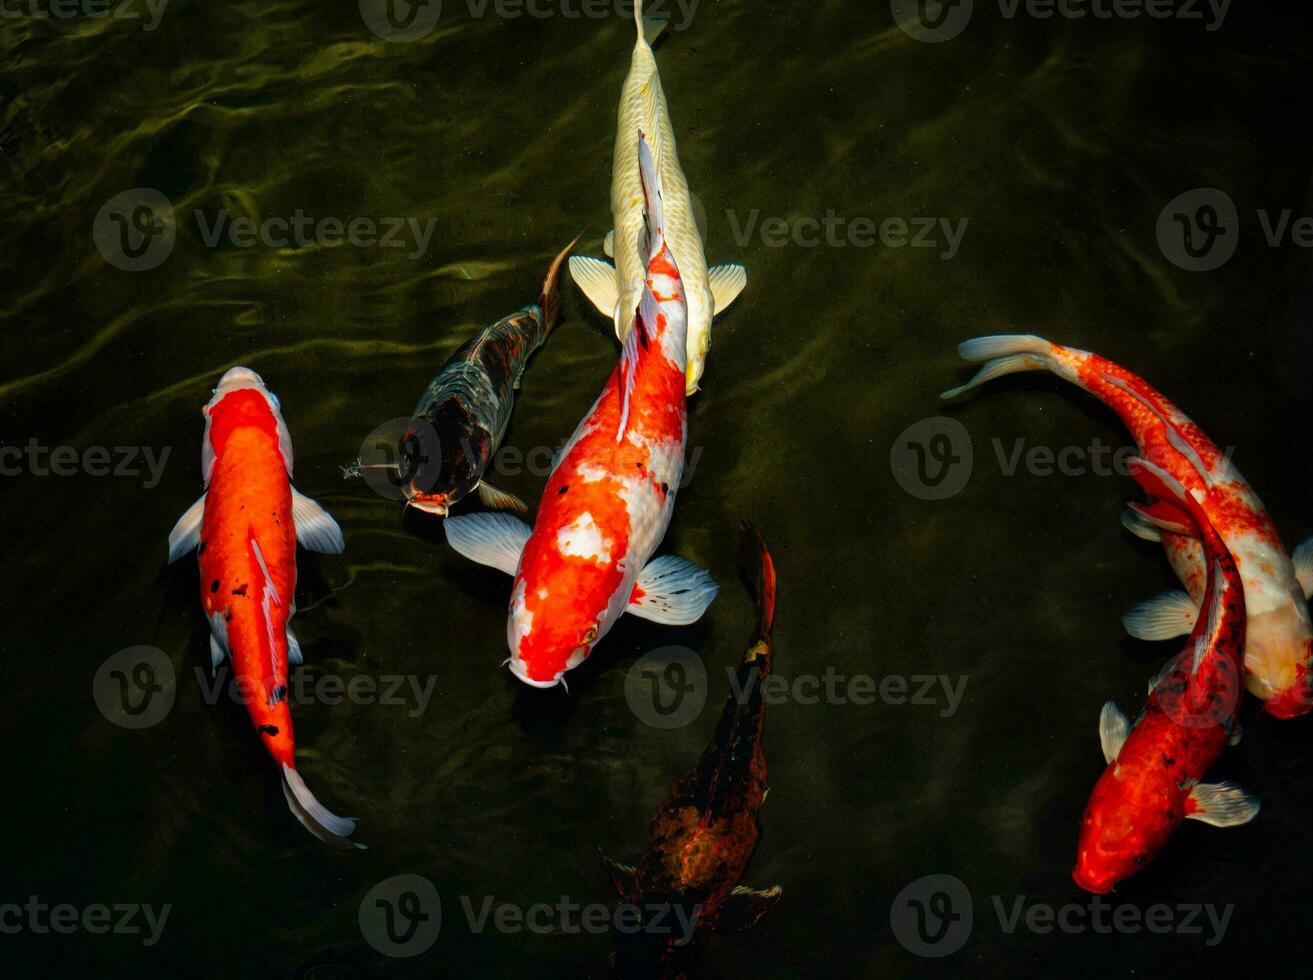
<point x="760" y="567"/>
<point x="328" y="827"/>
<point x="1173" y="508"/>
<point x="549" y="301"/>
<point x="1002" y="354"/>
<point x="649" y="28"/>
<point x="654" y="209"/>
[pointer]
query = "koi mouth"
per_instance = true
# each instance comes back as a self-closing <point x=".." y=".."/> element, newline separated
<point x="1089" y="884"/>
<point x="522" y="672"/>
<point x="429" y="503"/>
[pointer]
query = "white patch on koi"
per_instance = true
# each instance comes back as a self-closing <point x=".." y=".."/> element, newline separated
<point x="269" y="599"/>
<point x="582" y="538"/>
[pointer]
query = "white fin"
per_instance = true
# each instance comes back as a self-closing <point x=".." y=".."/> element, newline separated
<point x="1002" y="354"/>
<point x="495" y="540"/>
<point x="1236" y="734"/>
<point x="500" y="499"/>
<point x="294" y="654"/>
<point x="726" y="282"/>
<point x="315" y="528"/>
<point x="327" y="826"/>
<point x="597" y="280"/>
<point x="1114" y="727"/>
<point x="675" y="592"/>
<point x="608" y="244"/>
<point x="186" y="534"/>
<point x="1210" y="636"/>
<point x="1137" y="524"/>
<point x="1162" y="617"/>
<point x="1303" y="559"/>
<point x="1222" y="805"/>
<point x="217" y="654"/>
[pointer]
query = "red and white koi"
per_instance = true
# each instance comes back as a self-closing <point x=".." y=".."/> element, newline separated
<point x="245" y="528"/>
<point x="1279" y="649"/>
<point x="609" y="499"/>
<point x="1152" y="782"/>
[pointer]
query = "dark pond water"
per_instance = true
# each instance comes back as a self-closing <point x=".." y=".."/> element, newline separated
<point x="1043" y="150"/>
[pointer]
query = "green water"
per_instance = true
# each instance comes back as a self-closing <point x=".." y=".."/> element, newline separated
<point x="1058" y="142"/>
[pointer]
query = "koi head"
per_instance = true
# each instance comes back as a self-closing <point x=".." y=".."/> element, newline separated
<point x="1278" y="654"/>
<point x="568" y="593"/>
<point x="1117" y="837"/>
<point x="241" y="400"/>
<point x="442" y="461"/>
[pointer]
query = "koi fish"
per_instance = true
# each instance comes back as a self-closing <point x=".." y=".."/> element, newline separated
<point x="245" y="528"/>
<point x="704" y="832"/>
<point x="467" y="407"/>
<point x="616" y="291"/>
<point x="1154" y="766"/>
<point x="1279" y="649"/>
<point x="608" y="501"/>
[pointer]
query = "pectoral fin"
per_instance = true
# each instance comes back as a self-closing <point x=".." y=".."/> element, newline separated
<point x="745" y="907"/>
<point x="624" y="878"/>
<point x="495" y="540"/>
<point x="726" y="282"/>
<point x="1221" y="805"/>
<point x="294" y="654"/>
<point x="1303" y="559"/>
<point x="315" y="528"/>
<point x="501" y="500"/>
<point x="597" y="280"/>
<point x="1114" y="727"/>
<point x="1162" y="617"/>
<point x="186" y="534"/>
<point x="672" y="591"/>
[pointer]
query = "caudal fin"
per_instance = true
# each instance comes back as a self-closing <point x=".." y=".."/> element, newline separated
<point x="549" y="301"/>
<point x="1002" y="354"/>
<point x="649" y="28"/>
<point x="327" y="826"/>
<point x="760" y="568"/>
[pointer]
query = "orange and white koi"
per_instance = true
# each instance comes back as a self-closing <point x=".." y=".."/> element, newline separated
<point x="1152" y="782"/>
<point x="244" y="529"/>
<point x="608" y="501"/>
<point x="1279" y="649"/>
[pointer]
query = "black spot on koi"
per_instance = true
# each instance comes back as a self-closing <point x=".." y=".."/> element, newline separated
<point x="270" y="730"/>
